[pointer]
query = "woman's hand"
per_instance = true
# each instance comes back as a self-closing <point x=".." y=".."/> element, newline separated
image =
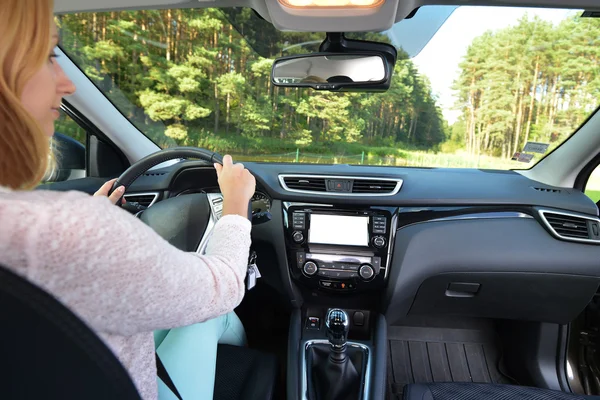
<point x="237" y="186"/>
<point x="115" y="196"/>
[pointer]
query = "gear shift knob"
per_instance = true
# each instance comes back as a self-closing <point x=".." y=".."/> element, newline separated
<point x="337" y="324"/>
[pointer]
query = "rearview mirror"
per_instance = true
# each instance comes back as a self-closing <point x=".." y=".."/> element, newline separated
<point x="333" y="71"/>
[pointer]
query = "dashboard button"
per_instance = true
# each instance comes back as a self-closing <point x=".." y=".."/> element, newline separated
<point x="298" y="237"/>
<point x="376" y="262"/>
<point x="366" y="272"/>
<point x="359" y="318"/>
<point x="337" y="274"/>
<point x="337" y="285"/>
<point x="346" y="267"/>
<point x="300" y="258"/>
<point x="313" y="323"/>
<point x="379" y="242"/>
<point x="310" y="268"/>
<point x="343" y="274"/>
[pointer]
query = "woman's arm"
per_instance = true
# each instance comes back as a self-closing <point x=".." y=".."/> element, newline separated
<point x="116" y="272"/>
<point x="123" y="278"/>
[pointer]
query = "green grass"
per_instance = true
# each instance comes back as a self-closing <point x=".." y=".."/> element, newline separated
<point x="270" y="149"/>
<point x="593" y="194"/>
<point x="408" y="158"/>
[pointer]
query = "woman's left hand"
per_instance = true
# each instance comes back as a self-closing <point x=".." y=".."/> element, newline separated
<point x="115" y="196"/>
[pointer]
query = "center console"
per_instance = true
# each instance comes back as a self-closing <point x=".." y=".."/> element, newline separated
<point x="339" y="250"/>
<point x="337" y="341"/>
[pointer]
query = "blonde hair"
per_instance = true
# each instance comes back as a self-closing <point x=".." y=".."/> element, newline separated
<point x="24" y="48"/>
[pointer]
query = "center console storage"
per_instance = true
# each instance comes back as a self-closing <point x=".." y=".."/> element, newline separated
<point x="339" y="250"/>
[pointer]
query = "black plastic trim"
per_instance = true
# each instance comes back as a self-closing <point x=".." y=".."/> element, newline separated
<point x="380" y="356"/>
<point x="532" y="353"/>
<point x="276" y="237"/>
<point x="584" y="175"/>
<point x="293" y="356"/>
<point x="561" y="358"/>
<point x="91" y="129"/>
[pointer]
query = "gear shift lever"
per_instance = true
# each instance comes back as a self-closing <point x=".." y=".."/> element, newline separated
<point x="337" y="324"/>
<point x="337" y="371"/>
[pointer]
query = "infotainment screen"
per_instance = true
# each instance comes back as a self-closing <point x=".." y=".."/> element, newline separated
<point x="339" y="229"/>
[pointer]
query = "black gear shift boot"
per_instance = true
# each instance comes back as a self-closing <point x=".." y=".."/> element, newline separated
<point x="331" y="379"/>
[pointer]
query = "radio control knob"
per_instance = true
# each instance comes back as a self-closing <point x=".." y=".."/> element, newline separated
<point x="298" y="237"/>
<point x="310" y="268"/>
<point x="366" y="272"/>
<point x="379" y="242"/>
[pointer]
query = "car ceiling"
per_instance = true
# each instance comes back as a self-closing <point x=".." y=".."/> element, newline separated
<point x="347" y="20"/>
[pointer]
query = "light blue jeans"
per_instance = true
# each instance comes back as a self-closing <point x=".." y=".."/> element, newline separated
<point x="189" y="355"/>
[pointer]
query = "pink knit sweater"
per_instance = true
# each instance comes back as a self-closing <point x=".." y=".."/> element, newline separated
<point x="117" y="274"/>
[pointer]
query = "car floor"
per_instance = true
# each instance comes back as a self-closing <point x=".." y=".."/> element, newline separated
<point x="440" y="349"/>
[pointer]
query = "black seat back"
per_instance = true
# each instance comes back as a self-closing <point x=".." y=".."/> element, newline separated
<point x="46" y="352"/>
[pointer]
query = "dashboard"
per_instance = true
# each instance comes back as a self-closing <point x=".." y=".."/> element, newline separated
<point x="414" y="241"/>
<point x="261" y="202"/>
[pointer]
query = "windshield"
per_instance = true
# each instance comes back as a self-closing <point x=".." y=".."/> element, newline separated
<point x="495" y="87"/>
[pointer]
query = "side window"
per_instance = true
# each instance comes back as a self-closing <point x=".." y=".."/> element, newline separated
<point x="69" y="150"/>
<point x="592" y="188"/>
<point x="67" y="127"/>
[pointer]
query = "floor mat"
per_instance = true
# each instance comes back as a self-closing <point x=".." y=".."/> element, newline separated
<point x="464" y="352"/>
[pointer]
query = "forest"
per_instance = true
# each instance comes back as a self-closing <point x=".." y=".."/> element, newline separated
<point x="199" y="74"/>
<point x="530" y="82"/>
<point x="201" y="77"/>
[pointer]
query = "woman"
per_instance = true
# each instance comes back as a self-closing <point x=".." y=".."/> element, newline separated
<point x="107" y="266"/>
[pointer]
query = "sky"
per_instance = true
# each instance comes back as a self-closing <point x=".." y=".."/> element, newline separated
<point x="439" y="59"/>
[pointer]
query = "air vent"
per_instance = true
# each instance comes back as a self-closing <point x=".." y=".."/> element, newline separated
<point x="568" y="226"/>
<point x="572" y="227"/>
<point x="309" y="184"/>
<point x="155" y="174"/>
<point x="373" y="186"/>
<point x="143" y="199"/>
<point x="338" y="185"/>
<point x="547" y="190"/>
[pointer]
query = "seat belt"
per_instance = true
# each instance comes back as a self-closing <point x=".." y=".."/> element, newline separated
<point x="162" y="373"/>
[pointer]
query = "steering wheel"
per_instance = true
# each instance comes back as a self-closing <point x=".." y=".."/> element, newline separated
<point x="180" y="220"/>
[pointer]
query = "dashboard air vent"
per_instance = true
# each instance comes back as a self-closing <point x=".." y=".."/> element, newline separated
<point x="143" y="199"/>
<point x="572" y="227"/>
<point x="568" y="226"/>
<point x="373" y="186"/>
<point x="547" y="190"/>
<point x="310" y="184"/>
<point x="340" y="185"/>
